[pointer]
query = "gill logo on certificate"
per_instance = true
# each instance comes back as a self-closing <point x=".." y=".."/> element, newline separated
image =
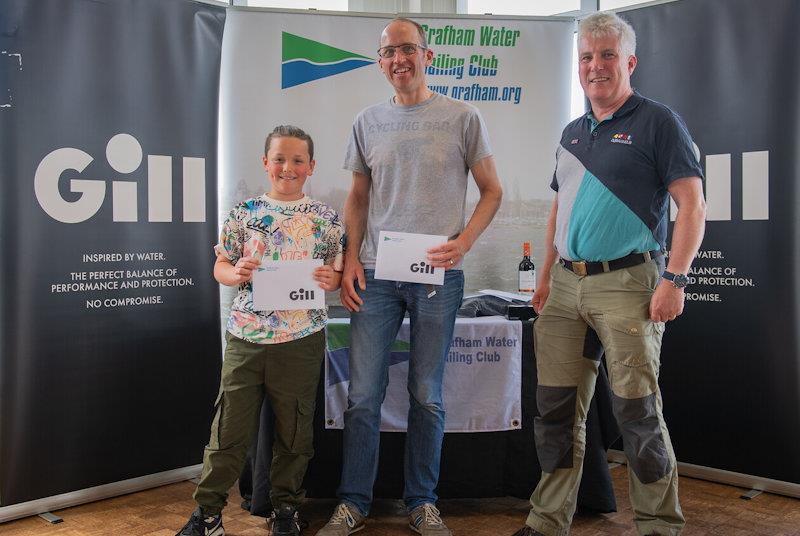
<point x="287" y="286"/>
<point x="404" y="257"/>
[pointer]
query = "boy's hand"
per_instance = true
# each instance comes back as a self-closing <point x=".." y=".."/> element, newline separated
<point x="327" y="277"/>
<point x="243" y="269"/>
<point x="353" y="271"/>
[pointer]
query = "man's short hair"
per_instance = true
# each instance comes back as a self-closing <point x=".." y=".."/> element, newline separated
<point x="422" y="39"/>
<point x="290" y="131"/>
<point x="609" y="24"/>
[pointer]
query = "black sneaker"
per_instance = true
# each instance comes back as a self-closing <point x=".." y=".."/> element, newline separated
<point x="200" y="525"/>
<point x="285" y="521"/>
<point x="527" y="531"/>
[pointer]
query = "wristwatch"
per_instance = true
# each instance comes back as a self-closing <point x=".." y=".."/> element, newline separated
<point x="679" y="280"/>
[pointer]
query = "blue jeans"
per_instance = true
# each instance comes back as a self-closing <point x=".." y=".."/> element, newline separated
<point x="372" y="331"/>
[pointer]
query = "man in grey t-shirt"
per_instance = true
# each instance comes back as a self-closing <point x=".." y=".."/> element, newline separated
<point x="410" y="158"/>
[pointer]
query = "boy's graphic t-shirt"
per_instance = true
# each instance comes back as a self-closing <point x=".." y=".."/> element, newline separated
<point x="268" y="229"/>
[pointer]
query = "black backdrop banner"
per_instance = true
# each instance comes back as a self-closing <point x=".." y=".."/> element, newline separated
<point x="110" y="343"/>
<point x="730" y="365"/>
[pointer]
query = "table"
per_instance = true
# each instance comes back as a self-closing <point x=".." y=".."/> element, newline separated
<point x="487" y="464"/>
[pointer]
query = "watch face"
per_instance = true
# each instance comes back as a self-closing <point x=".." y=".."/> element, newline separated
<point x="680" y="280"/>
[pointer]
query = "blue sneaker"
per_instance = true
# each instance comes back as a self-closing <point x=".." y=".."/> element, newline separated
<point x="203" y="525"/>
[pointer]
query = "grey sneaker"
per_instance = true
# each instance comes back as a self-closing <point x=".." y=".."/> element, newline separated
<point x="345" y="520"/>
<point x="425" y="520"/>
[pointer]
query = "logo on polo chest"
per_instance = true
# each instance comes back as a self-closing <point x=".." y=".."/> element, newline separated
<point x="622" y="138"/>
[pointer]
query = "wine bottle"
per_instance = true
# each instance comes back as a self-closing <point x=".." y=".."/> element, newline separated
<point x="527" y="271"/>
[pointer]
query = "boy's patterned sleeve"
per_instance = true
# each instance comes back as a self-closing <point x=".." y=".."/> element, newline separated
<point x="230" y="239"/>
<point x="335" y="242"/>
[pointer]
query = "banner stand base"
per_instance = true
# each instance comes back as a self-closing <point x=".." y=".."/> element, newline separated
<point x="752" y="494"/>
<point x="731" y="478"/>
<point x="50" y="518"/>
<point x="65" y="500"/>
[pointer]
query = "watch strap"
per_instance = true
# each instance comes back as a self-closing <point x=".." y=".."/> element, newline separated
<point x="679" y="280"/>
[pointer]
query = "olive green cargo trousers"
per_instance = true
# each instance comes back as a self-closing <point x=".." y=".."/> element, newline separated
<point x="288" y="373"/>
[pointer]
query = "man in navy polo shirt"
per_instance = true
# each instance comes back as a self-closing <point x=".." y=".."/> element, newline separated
<point x="603" y="286"/>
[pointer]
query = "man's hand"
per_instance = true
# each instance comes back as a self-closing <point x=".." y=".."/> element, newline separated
<point x="542" y="291"/>
<point x="448" y="254"/>
<point x="327" y="277"/>
<point x="540" y="296"/>
<point x="353" y="271"/>
<point x="666" y="303"/>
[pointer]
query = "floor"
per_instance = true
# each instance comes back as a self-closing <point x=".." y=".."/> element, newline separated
<point x="712" y="509"/>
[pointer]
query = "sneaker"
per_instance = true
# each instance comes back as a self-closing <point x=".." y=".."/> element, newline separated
<point x="284" y="521"/>
<point x="203" y="525"/>
<point x="527" y="531"/>
<point x="425" y="520"/>
<point x="345" y="520"/>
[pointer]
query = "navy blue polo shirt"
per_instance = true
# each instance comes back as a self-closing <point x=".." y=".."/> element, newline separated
<point x="612" y="179"/>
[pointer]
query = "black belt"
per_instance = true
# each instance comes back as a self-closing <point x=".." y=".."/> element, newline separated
<point x="592" y="268"/>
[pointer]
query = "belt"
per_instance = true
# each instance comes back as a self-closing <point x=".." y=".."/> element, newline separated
<point x="592" y="268"/>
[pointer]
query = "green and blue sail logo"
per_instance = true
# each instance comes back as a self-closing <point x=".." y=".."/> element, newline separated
<point x="305" y="60"/>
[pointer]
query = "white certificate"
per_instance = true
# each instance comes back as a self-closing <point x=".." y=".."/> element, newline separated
<point x="404" y="257"/>
<point x="287" y="286"/>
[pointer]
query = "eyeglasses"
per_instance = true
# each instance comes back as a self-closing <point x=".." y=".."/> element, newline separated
<point x="407" y="49"/>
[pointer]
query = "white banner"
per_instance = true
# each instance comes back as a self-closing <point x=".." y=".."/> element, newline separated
<point x="482" y="377"/>
<point x="317" y="71"/>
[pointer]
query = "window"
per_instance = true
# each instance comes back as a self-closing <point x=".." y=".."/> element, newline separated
<point x="322" y="5"/>
<point x="539" y="8"/>
<point x="616" y="4"/>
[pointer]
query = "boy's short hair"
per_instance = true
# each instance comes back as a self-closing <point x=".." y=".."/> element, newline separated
<point x="290" y="131"/>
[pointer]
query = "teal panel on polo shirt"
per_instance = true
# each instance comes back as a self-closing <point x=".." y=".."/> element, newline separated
<point x="602" y="227"/>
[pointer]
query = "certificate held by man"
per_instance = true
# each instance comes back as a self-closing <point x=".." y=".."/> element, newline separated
<point x="287" y="286"/>
<point x="404" y="257"/>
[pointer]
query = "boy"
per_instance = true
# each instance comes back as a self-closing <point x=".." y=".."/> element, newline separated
<point x="277" y="352"/>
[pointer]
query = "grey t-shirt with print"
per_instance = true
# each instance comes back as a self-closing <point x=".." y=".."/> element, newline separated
<point x="417" y="158"/>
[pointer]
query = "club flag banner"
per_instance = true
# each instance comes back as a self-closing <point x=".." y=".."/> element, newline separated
<point x="730" y="363"/>
<point x="109" y="327"/>
<point x="318" y="71"/>
<point x="482" y="376"/>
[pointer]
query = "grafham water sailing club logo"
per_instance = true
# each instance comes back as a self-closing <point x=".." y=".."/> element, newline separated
<point x="305" y="60"/>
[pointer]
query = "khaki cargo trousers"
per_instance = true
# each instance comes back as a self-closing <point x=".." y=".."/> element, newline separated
<point x="289" y="373"/>
<point x="583" y="317"/>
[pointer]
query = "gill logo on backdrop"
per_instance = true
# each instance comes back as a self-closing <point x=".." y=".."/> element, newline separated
<point x="304" y="60"/>
<point x="124" y="155"/>
<point x="751" y="179"/>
